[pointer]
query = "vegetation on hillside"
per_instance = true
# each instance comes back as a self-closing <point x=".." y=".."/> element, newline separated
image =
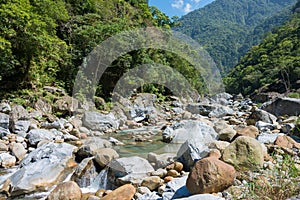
<point x="43" y="42"/>
<point x="273" y="65"/>
<point x="228" y="28"/>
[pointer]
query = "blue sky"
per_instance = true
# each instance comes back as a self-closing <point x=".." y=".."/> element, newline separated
<point x="178" y="7"/>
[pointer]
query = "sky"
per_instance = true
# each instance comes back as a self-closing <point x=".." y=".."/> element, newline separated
<point x="178" y="7"/>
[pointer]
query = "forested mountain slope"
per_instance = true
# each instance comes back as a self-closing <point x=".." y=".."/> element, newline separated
<point x="228" y="28"/>
<point x="273" y="65"/>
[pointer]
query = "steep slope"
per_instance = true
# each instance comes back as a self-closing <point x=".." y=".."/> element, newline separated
<point x="226" y="28"/>
<point x="273" y="65"/>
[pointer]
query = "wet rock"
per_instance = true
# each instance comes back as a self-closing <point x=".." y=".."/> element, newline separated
<point x="115" y="142"/>
<point x="283" y="106"/>
<point x="18" y="151"/>
<point x="244" y="152"/>
<point x="43" y="168"/>
<point x="99" y="122"/>
<point x="161" y="160"/>
<point x="210" y="175"/>
<point x="261" y="115"/>
<point x="7" y="160"/>
<point x="34" y="136"/>
<point x="250" y="131"/>
<point x="287" y="128"/>
<point x="128" y="170"/>
<point x="105" y="155"/>
<point x="186" y="129"/>
<point x="66" y="190"/>
<point x="191" y="151"/>
<point x="152" y="182"/>
<point x="125" y="192"/>
<point x="85" y="173"/>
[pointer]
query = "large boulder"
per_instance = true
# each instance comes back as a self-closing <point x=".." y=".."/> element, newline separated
<point x="210" y="175"/>
<point x="225" y="131"/>
<point x="128" y="170"/>
<point x="191" y="151"/>
<point x="160" y="160"/>
<point x="176" y="189"/>
<point x="64" y="191"/>
<point x="85" y="173"/>
<point x="42" y="168"/>
<point x="283" y="106"/>
<point x="21" y="127"/>
<point x="125" y="192"/>
<point x="211" y="110"/>
<point x="244" y="152"/>
<point x="66" y="105"/>
<point x="143" y="108"/>
<point x="91" y="145"/>
<point x="105" y="155"/>
<point x="36" y="135"/>
<point x="261" y="115"/>
<point x="186" y="129"/>
<point x="99" y="122"/>
<point x="203" y="197"/>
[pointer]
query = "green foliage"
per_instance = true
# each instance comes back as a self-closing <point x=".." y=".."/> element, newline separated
<point x="228" y="28"/>
<point x="272" y="65"/>
<point x="281" y="184"/>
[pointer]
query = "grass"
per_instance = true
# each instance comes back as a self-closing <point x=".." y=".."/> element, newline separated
<point x="279" y="183"/>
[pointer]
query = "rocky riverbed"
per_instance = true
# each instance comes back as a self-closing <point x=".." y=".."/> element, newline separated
<point x="223" y="147"/>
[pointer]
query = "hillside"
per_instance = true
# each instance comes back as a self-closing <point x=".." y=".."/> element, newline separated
<point x="273" y="65"/>
<point x="228" y="28"/>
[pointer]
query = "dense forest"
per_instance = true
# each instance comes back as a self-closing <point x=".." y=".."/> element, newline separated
<point x="228" y="28"/>
<point x="272" y="65"/>
<point x="43" y="42"/>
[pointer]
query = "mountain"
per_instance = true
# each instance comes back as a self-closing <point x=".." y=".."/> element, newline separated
<point x="273" y="65"/>
<point x="228" y="28"/>
<point x="203" y="3"/>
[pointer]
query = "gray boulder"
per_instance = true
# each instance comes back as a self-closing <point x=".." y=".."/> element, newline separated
<point x="203" y="197"/>
<point x="128" y="170"/>
<point x="4" y="121"/>
<point x="91" y="146"/>
<point x="267" y="138"/>
<point x="99" y="122"/>
<point x="21" y="126"/>
<point x="5" y="108"/>
<point x="283" y="106"/>
<point x="261" y="115"/>
<point x="186" y="129"/>
<point x="211" y="110"/>
<point x="36" y="135"/>
<point x="176" y="189"/>
<point x="191" y="151"/>
<point x="43" y="168"/>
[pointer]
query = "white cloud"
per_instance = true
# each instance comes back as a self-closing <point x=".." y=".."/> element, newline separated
<point x="196" y="1"/>
<point x="187" y="8"/>
<point x="177" y="4"/>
